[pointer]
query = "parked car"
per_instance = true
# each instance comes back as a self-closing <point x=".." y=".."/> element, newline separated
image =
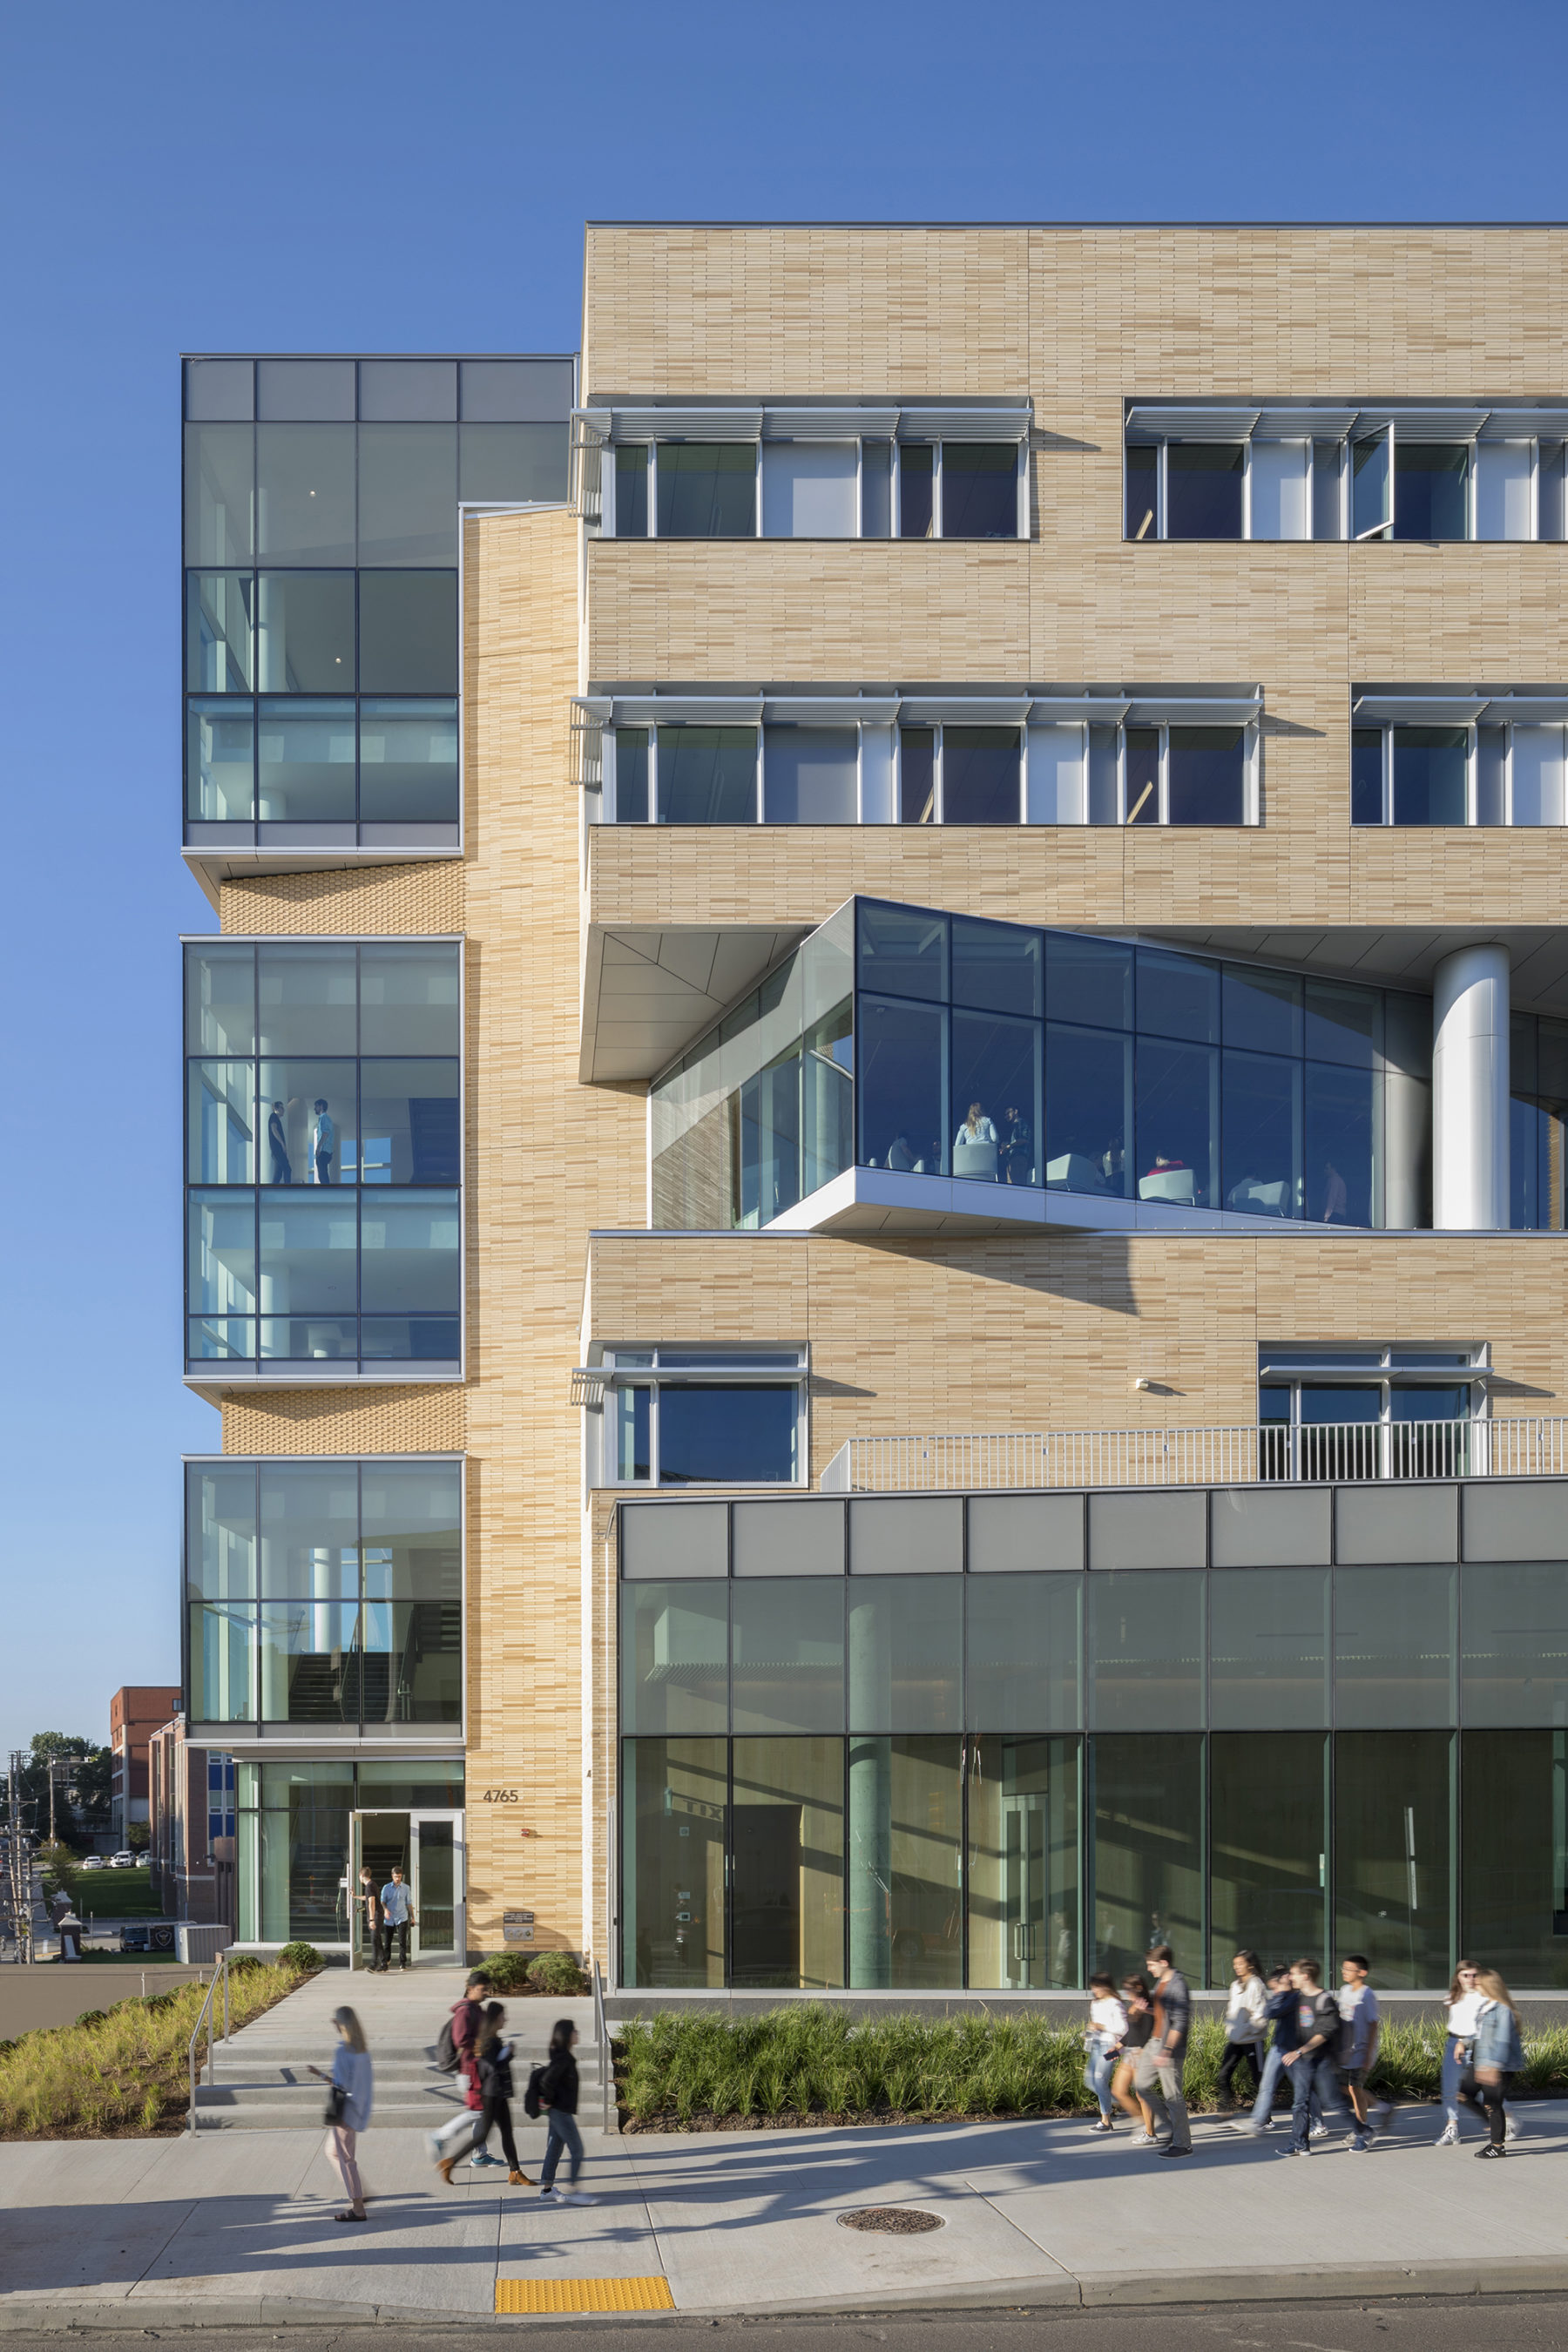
<point x="93" y="1862"/>
<point x="124" y="1860"/>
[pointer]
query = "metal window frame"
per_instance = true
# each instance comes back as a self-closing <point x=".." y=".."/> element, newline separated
<point x="726" y="1372"/>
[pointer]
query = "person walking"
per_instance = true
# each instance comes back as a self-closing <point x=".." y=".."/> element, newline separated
<point x="1139" y="2028"/>
<point x="1280" y="2010"/>
<point x="373" y="1923"/>
<point x="1360" y="2029"/>
<point x="1311" y="2063"/>
<point x="558" y="2097"/>
<point x="1166" y="2056"/>
<point x="468" y="2016"/>
<point x="352" y="2081"/>
<point x="1106" y="2025"/>
<point x="1463" y="2006"/>
<point x="1497" y="2055"/>
<point x="1246" y="2027"/>
<point x="493" y="2068"/>
<point x="396" y="1914"/>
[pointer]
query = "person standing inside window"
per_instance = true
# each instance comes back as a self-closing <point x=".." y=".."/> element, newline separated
<point x="324" y="1142"/>
<point x="277" y="1141"/>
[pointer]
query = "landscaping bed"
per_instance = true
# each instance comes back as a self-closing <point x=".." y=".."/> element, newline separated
<point x="122" y="2072"/>
<point x="806" y="2065"/>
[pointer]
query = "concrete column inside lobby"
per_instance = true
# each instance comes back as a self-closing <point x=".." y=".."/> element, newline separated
<point x="1471" y="1091"/>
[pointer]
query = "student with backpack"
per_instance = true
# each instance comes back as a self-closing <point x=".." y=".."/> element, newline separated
<point x="553" y="2091"/>
<point x="493" y="2069"/>
<point x="1311" y="2063"/>
<point x="456" y="2053"/>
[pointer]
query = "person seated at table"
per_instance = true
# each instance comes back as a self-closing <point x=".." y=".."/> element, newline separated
<point x="977" y="1128"/>
<point x="1162" y="1162"/>
<point x="898" y="1153"/>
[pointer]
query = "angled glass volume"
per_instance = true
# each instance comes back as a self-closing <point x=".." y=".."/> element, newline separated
<point x="325" y="1593"/>
<point x="324" y="1129"/>
<point x="1038" y="1061"/>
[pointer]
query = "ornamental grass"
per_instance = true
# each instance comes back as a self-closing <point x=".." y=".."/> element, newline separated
<point x="682" y="2070"/>
<point x="124" y="2071"/>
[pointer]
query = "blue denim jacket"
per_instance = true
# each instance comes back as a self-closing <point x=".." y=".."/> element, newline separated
<point x="1497" y="2041"/>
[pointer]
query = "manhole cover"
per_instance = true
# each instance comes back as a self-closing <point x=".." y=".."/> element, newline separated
<point x="893" y="2220"/>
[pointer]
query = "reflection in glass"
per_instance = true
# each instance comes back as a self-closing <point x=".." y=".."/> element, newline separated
<point x="1262" y="1010"/>
<point x="1342" y="1023"/>
<point x="309" y="1531"/>
<point x="220" y="763"/>
<point x="1341" y="1169"/>
<point x="308" y="1256"/>
<point x="306" y="998"/>
<point x="408" y="762"/>
<point x="1088" y="1103"/>
<point x="672" y="1881"/>
<point x="809" y="490"/>
<point x="1430" y="775"/>
<point x="1146" y="1649"/>
<point x="409" y="1131"/>
<point x="633" y="1434"/>
<point x="1394" y="1640"/>
<point x="902" y="951"/>
<point x="1023" y="1641"/>
<point x="408" y="632"/>
<point x="1393" y="1852"/>
<point x="737" y="1434"/>
<point x="906" y="1847"/>
<point x="786" y="1654"/>
<point x="1202" y="489"/>
<point x="220" y="1136"/>
<point x="1370" y="487"/>
<point x="221" y="1265"/>
<point x="903" y="1106"/>
<point x="223" y="1642"/>
<point x="1268" y="1847"/>
<point x="673" y="1649"/>
<point x="980" y="775"/>
<point x="707" y="490"/>
<point x="906" y="1638"/>
<point x="219" y="632"/>
<point x="1514" y="1834"/>
<point x="979" y="490"/>
<point x="1207" y="782"/>
<point x="305" y="1652"/>
<point x="1268" y="1648"/>
<point x="996" y="1098"/>
<point x="408" y="493"/>
<point x="306" y="770"/>
<point x="1430" y="490"/>
<point x="810" y="775"/>
<point x="1089" y="980"/>
<point x="219" y="463"/>
<point x="409" y="997"/>
<point x="507" y="464"/>
<point x="996" y="965"/>
<point x="220" y="1532"/>
<point x="1261" y="1170"/>
<point x="875" y="489"/>
<point x="1178" y="1122"/>
<point x="1281" y="490"/>
<point x="1023" y="1863"/>
<point x="631" y="491"/>
<point x="631" y="775"/>
<point x="409" y="1255"/>
<point x="305" y="633"/>
<point x="786" y="1897"/>
<point x="1514" y="1619"/>
<point x="305" y="493"/>
<point x="707" y="775"/>
<point x="1147" y="1864"/>
<point x="1178" y="996"/>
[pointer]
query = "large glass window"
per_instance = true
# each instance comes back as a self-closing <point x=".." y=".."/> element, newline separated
<point x="707" y="775"/>
<point x="676" y="1808"/>
<point x="1514" y="1656"/>
<point x="1431" y="491"/>
<point x="305" y="633"/>
<point x="980" y="775"/>
<point x="979" y="490"/>
<point x="305" y="493"/>
<point x="906" y="1851"/>
<point x="1514" y="1841"/>
<point x="786" y="1898"/>
<point x="809" y="490"/>
<point x="707" y="489"/>
<point x="704" y="1417"/>
<point x="1431" y="768"/>
<point x="1023" y="1648"/>
<point x="674" y="1657"/>
<point x="1023" y="1891"/>
<point x="810" y="775"/>
<point x="1269" y="1630"/>
<point x="905" y="1649"/>
<point x="1146" y="1800"/>
<point x="408" y="494"/>
<point x="1393" y="1852"/>
<point x="1146" y="1648"/>
<point x="1267" y="1845"/>
<point x="1394" y="1643"/>
<point x="220" y="493"/>
<point x="1538" y="1119"/>
<point x="1203" y="490"/>
<point x="786" y="1654"/>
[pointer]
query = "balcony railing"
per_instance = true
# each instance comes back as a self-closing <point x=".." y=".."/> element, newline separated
<point x="1245" y="1454"/>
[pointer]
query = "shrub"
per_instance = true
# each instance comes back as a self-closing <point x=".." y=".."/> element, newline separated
<point x="302" y="1957"/>
<point x="556" y="1972"/>
<point x="505" y="1971"/>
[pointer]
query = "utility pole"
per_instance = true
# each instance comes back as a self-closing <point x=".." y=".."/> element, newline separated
<point x="19" y="1874"/>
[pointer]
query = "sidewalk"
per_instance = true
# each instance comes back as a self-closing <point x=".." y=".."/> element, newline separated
<point x="237" y="2225"/>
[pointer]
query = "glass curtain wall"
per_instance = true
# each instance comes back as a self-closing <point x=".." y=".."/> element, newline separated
<point x="292" y="1828"/>
<point x="323" y="1152"/>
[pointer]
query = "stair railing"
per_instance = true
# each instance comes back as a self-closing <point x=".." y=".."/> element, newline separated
<point x="602" y="2035"/>
<point x="207" y="2015"/>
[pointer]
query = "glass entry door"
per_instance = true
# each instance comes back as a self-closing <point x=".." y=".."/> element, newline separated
<point x="428" y="1850"/>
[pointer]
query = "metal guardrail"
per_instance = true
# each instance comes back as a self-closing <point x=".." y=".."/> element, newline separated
<point x="1243" y="1453"/>
<point x="602" y="2035"/>
<point x="207" y="2015"/>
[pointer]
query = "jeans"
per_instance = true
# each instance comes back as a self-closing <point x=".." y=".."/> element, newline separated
<point x="1314" y="2076"/>
<point x="1235" y="2054"/>
<point x="387" y="1932"/>
<point x="1453" y="2075"/>
<point x="1160" y="2069"/>
<point x="1097" y="2074"/>
<point x="563" y="2134"/>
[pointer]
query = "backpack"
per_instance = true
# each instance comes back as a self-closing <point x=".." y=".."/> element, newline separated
<point x="447" y="2060"/>
<point x="532" y="2102"/>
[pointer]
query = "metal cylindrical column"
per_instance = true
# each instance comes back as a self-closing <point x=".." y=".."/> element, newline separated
<point x="1470" y="1090"/>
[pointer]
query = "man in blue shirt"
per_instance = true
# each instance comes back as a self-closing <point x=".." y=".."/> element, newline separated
<point x="397" y="1914"/>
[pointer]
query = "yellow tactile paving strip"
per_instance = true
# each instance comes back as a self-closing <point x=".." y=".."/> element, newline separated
<point x="516" y="2294"/>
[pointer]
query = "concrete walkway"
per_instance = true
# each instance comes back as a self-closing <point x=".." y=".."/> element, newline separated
<point x="237" y="2225"/>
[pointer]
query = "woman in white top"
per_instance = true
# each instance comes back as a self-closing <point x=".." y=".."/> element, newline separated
<point x="977" y="1128"/>
<point x="354" y="2075"/>
<point x="1464" y="2006"/>
<point x="1107" y="2024"/>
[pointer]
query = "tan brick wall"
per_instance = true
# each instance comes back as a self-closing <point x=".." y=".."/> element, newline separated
<point x="427" y="895"/>
<point x="413" y="1420"/>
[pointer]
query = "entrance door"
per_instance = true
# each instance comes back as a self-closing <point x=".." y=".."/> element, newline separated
<point x="439" y="1930"/>
<point x="380" y="1844"/>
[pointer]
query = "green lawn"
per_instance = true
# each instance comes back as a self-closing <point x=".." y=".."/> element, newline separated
<point x="114" y="1895"/>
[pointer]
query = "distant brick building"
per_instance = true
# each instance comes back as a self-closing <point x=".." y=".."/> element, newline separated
<point x="191" y="1823"/>
<point x="135" y="1713"/>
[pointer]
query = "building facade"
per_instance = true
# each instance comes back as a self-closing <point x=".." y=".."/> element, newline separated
<point x="191" y="1841"/>
<point x="938" y="1348"/>
<point x="135" y="1713"/>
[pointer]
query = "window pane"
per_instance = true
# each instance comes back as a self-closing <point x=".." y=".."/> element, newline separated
<point x="219" y="637"/>
<point x="306" y="769"/>
<point x="1394" y="1631"/>
<point x="1537" y="776"/>
<point x="809" y="490"/>
<point x="672" y="1893"/>
<point x="1268" y="1650"/>
<point x="631" y="491"/>
<point x="1281" y="489"/>
<point x="809" y="776"/>
<point x="730" y="1435"/>
<point x="308" y="1256"/>
<point x="1366" y="775"/>
<point x="1142" y="490"/>
<point x="1147" y="1867"/>
<point x="903" y="1097"/>
<point x="1392" y="1849"/>
<point x="996" y="1098"/>
<point x="1088" y="980"/>
<point x="1178" y="1118"/>
<point x="917" y="775"/>
<point x="1327" y="461"/>
<point x="875" y="489"/>
<point x="980" y="775"/>
<point x="1207" y="775"/>
<point x="1024" y="1640"/>
<point x="906" y="1846"/>
<point x="221" y="1241"/>
<point x="1268" y="1847"/>
<point x="1342" y="1176"/>
<point x="408" y="762"/>
<point x="979" y="490"/>
<point x="309" y="1531"/>
<point x="1147" y="1650"/>
<point x="902" y="954"/>
<point x="633" y="1434"/>
<point x="787" y="1895"/>
<point x="916" y="491"/>
<point x="905" y="1646"/>
<point x="1514" y="1833"/>
<point x="508" y="465"/>
<point x="1429" y="491"/>
<point x="1369" y="486"/>
<point x="674" y="1657"/>
<point x="305" y="633"/>
<point x="631" y="775"/>
<point x="707" y="490"/>
<point x="786" y="1653"/>
<point x="218" y="493"/>
<point x="409" y="998"/>
<point x="1056" y="776"/>
<point x="220" y="999"/>
<point x="1342" y="1023"/>
<point x="1141" y="747"/>
<point x="996" y="965"/>
<point x="1178" y="996"/>
<point x="306" y="1649"/>
<point x="1261" y="1098"/>
<point x="1089" y="1099"/>
<point x="1023" y="1862"/>
<point x="220" y="1111"/>
<point x="1515" y="1658"/>
<point x="306" y="999"/>
<point x="1430" y="766"/>
<point x="305" y="493"/>
<point x="408" y="493"/>
<point x="409" y="1130"/>
<point x="1262" y="1010"/>
<point x="408" y="632"/>
<point x="1104" y="787"/>
<point x="223" y="1645"/>
<point x="220" y="1532"/>
<point x="220" y="763"/>
<point x="409" y="1244"/>
<point x="1503" y="503"/>
<point x="707" y="775"/>
<point x="1202" y="489"/>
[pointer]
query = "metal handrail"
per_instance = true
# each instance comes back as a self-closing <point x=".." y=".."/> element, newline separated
<point x="602" y="2035"/>
<point x="204" y="2015"/>
<point x="1237" y="1453"/>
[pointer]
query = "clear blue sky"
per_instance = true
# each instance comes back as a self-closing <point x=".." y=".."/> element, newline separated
<point x="347" y="177"/>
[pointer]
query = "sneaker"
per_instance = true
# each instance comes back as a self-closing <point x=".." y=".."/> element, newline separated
<point x="1175" y="2151"/>
<point x="1449" y="2138"/>
<point x="1319" y="2131"/>
<point x="1292" y="2151"/>
<point x="1490" y="2150"/>
<point x="1253" y="2131"/>
<point x="1144" y="2139"/>
<point x="1358" y="2143"/>
<point x="550" y="2197"/>
<point x="577" y="2197"/>
<point x="1105" y="2125"/>
<point x="485" y="2162"/>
